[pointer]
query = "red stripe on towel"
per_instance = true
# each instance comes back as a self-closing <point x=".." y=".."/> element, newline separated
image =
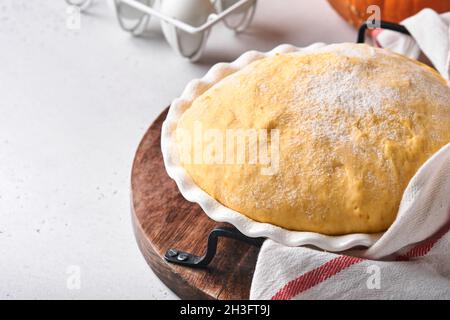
<point x="315" y="276"/>
<point x="424" y="247"/>
<point x="336" y="265"/>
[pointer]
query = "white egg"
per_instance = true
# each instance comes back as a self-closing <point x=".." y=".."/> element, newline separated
<point x="193" y="12"/>
<point x="131" y="19"/>
<point x="131" y="13"/>
<point x="225" y="4"/>
<point x="240" y="18"/>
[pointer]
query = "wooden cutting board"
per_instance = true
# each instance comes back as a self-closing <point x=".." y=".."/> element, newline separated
<point x="163" y="219"/>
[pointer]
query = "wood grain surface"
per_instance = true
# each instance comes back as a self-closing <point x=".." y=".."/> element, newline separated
<point x="163" y="219"/>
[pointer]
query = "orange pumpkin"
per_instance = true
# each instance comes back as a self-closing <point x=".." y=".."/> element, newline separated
<point x="355" y="11"/>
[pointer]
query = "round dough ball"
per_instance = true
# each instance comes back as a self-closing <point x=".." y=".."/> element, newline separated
<point x="354" y="125"/>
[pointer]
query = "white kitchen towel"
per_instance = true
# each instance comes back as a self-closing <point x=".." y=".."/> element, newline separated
<point x="410" y="261"/>
<point x="421" y="272"/>
<point x="430" y="34"/>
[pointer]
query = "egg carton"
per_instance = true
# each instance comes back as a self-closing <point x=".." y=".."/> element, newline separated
<point x="186" y="24"/>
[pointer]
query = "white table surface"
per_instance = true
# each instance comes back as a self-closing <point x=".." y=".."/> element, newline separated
<point x="74" y="105"/>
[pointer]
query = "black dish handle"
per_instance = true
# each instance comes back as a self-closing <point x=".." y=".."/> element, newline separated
<point x="383" y="25"/>
<point x="190" y="260"/>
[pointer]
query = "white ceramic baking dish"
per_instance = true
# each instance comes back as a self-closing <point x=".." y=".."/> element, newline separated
<point x="213" y="208"/>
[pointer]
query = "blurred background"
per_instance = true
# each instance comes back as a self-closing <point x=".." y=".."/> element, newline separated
<point x="74" y="104"/>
